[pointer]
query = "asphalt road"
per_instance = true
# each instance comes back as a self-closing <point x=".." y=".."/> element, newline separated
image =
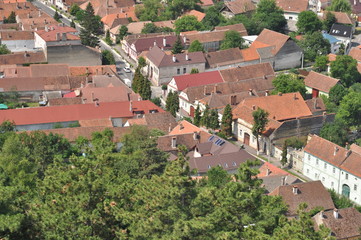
<point x="119" y="61"/>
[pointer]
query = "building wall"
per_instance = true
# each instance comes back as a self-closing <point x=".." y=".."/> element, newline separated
<point x="39" y="42"/>
<point x="332" y="176"/>
<point x="20" y="45"/>
<point x="289" y="56"/>
<point x="232" y="65"/>
<point x="41" y="126"/>
<point x="309" y="91"/>
<point x="291" y="15"/>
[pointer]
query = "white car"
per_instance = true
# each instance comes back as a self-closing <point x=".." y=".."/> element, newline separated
<point x="126" y="69"/>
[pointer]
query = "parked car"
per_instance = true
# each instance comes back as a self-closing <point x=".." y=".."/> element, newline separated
<point x="126" y="69"/>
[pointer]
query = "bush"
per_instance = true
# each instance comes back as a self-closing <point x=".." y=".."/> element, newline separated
<point x="296" y="142"/>
<point x="107" y="58"/>
<point x="156" y="101"/>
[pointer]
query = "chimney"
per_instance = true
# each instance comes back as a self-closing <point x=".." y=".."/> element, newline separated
<point x="253" y="107"/>
<point x="174" y="142"/>
<point x="187" y="57"/>
<point x="174" y="58"/>
<point x="181" y="126"/>
<point x="29" y="15"/>
<point x="87" y="71"/>
<point x="195" y="135"/>
<point x="170" y="127"/>
<point x="322" y="216"/>
<point x="164" y="42"/>
<point x="97" y="103"/>
<point x="131" y="106"/>
<point x="267" y="92"/>
<point x="268" y="171"/>
<point x="336" y="150"/>
<point x="26" y="54"/>
<point x="295" y="190"/>
<point x="46" y="28"/>
<point x="215" y="88"/>
<point x="264" y="76"/>
<point x="205" y="90"/>
<point x="17" y="6"/>
<point x="63" y="37"/>
<point x="294" y="96"/>
<point x="93" y="98"/>
<point x="279" y="94"/>
<point x="354" y="2"/>
<point x="250" y="92"/>
<point x="57" y="36"/>
<point x="126" y="15"/>
<point x="283" y="180"/>
<point x="233" y="100"/>
<point x="347" y="147"/>
<point x="335" y="213"/>
<point x="39" y="13"/>
<point x="155" y="43"/>
<point x="184" y="39"/>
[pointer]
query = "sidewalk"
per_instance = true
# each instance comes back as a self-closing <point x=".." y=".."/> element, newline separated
<point x="124" y="55"/>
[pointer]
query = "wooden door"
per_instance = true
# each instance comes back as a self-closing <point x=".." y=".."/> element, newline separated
<point x="246" y="139"/>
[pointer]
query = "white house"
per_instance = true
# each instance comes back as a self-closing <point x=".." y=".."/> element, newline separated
<point x="338" y="168"/>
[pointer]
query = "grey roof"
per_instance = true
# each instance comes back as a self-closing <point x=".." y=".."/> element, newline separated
<point x="265" y="52"/>
<point x="272" y="182"/>
<point x="341" y="30"/>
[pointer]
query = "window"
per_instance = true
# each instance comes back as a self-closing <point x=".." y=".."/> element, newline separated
<point x="315" y="175"/>
<point x="209" y="166"/>
<point x="346" y="176"/>
<point x="240" y="132"/>
<point x="309" y="157"/>
<point x="331" y="184"/>
<point x="178" y="71"/>
<point x="308" y="171"/>
<point x="226" y="165"/>
<point x="290" y="18"/>
<point x="323" y="179"/>
<point x="334" y="170"/>
<point x="355" y="187"/>
<point x="234" y="164"/>
<point x="316" y="161"/>
<point x="184" y="70"/>
<point x="325" y="165"/>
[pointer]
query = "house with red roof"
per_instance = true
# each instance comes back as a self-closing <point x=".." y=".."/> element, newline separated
<point x="179" y="83"/>
<point x="47" y="117"/>
<point x="338" y="168"/>
<point x="318" y="84"/>
<point x="56" y="35"/>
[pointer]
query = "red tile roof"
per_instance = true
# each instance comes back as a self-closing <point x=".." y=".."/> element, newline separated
<point x="268" y="169"/>
<point x="28" y="116"/>
<point x="240" y="6"/>
<point x="199" y="79"/>
<point x="293" y="6"/>
<point x="50" y="35"/>
<point x="270" y="38"/>
<point x="199" y="15"/>
<point x="320" y="82"/>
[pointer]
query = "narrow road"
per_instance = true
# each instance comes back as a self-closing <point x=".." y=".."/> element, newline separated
<point x="119" y="61"/>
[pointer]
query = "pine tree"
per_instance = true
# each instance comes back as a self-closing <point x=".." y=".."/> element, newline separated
<point x="260" y="119"/>
<point x="88" y="39"/>
<point x="172" y="103"/>
<point x="178" y="46"/>
<point x="145" y="89"/>
<point x="136" y="85"/>
<point x="226" y="123"/>
<point x="197" y="116"/>
<point x="205" y="117"/>
<point x="284" y="154"/>
<point x="213" y="119"/>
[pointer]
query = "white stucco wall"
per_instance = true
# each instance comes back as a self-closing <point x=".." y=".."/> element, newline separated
<point x="20" y="45"/>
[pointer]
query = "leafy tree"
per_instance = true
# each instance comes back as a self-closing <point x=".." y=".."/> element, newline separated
<point x="57" y="16"/>
<point x="123" y="31"/>
<point x="345" y="69"/>
<point x="108" y="40"/>
<point x="157" y="101"/>
<point x="337" y="93"/>
<point x="206" y="117"/>
<point x="321" y="63"/>
<point x="145" y="89"/>
<point x="217" y="177"/>
<point x="349" y="111"/>
<point x="250" y="23"/>
<point x="176" y="8"/>
<point x="226" y="123"/>
<point x="308" y="22"/>
<point x="74" y="9"/>
<point x="197" y="117"/>
<point x="260" y="119"/>
<point x="11" y="18"/>
<point x="284" y="159"/>
<point x="188" y="23"/>
<point x="334" y="132"/>
<point x="150" y="11"/>
<point x="196" y="46"/>
<point x="141" y="62"/>
<point x="330" y="19"/>
<point x="313" y="45"/>
<point x="4" y="49"/>
<point x="172" y="103"/>
<point x="213" y="119"/>
<point x="177" y="46"/>
<point x="194" y="71"/>
<point x="232" y="39"/>
<point x="107" y="58"/>
<point x="340" y="6"/>
<point x="213" y="18"/>
<point x="269" y="15"/>
<point x="288" y="83"/>
<point x="150" y="28"/>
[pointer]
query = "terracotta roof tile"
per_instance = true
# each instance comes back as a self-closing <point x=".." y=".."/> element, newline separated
<point x="136" y="27"/>
<point x="320" y="82"/>
<point x="268" y="169"/>
<point x="64" y="101"/>
<point x="163" y="121"/>
<point x="270" y="38"/>
<point x="346" y="226"/>
<point x="199" y="15"/>
<point x="247" y="72"/>
<point x="312" y="193"/>
<point x="293" y="6"/>
<point x="105" y="122"/>
<point x="250" y="54"/>
<point x="206" y="3"/>
<point x="184" y="127"/>
<point x="224" y="57"/>
<point x="55" y="33"/>
<point x="16" y="35"/>
<point x="22" y="58"/>
<point x="240" y="6"/>
<point x="198" y="79"/>
<point x="355" y="53"/>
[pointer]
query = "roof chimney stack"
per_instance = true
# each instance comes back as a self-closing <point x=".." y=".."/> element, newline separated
<point x="57" y="36"/>
<point x="205" y="90"/>
<point x="283" y="180"/>
<point x="164" y="42"/>
<point x="131" y="106"/>
<point x="174" y="142"/>
<point x="195" y="135"/>
<point x="155" y="43"/>
<point x="253" y="107"/>
<point x="267" y="92"/>
<point x="294" y="96"/>
<point x="46" y="28"/>
<point x="336" y="150"/>
<point x="250" y="92"/>
<point x="187" y="57"/>
<point x="268" y="171"/>
<point x="174" y="58"/>
<point x="295" y="190"/>
<point x="335" y="213"/>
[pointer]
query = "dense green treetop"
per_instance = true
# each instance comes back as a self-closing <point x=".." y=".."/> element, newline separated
<point x="288" y="83"/>
<point x="308" y="22"/>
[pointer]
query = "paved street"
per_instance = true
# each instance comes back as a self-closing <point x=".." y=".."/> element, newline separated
<point x="119" y="61"/>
